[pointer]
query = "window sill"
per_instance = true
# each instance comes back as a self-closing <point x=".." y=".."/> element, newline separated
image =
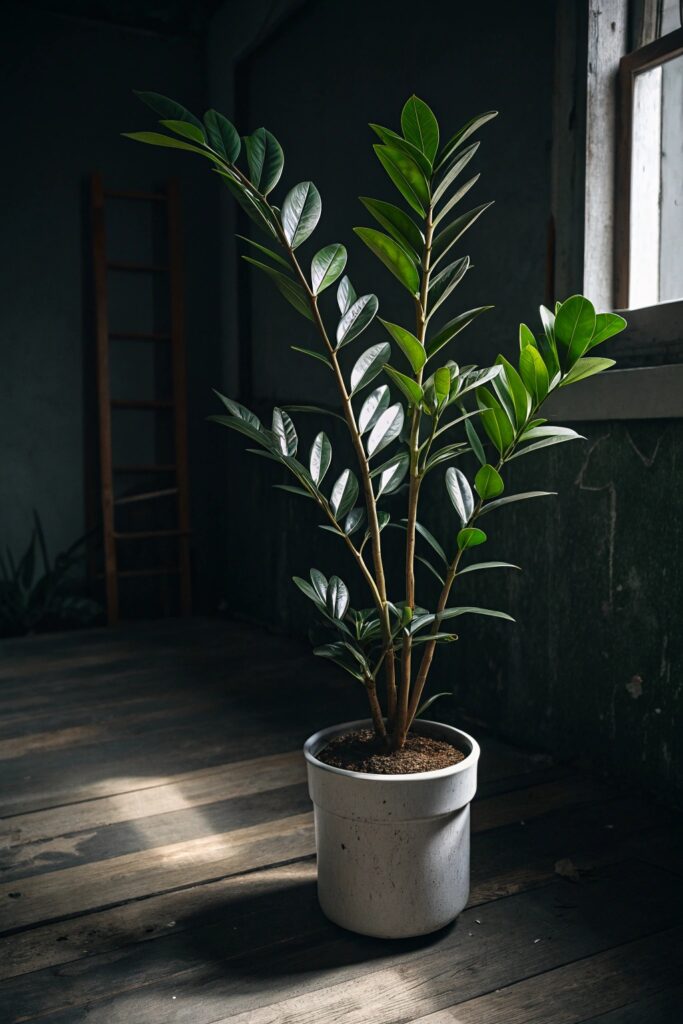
<point x="645" y="393"/>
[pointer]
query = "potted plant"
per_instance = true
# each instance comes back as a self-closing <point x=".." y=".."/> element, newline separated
<point x="392" y="793"/>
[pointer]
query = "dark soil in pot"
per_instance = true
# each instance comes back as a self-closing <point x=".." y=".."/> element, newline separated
<point x="361" y="751"/>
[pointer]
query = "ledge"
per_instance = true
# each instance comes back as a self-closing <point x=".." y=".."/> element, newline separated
<point x="645" y="393"/>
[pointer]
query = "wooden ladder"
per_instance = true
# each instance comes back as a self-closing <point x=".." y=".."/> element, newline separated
<point x="176" y="404"/>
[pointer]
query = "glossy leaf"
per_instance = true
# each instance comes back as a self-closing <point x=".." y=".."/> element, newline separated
<point x="406" y="176"/>
<point x="544" y="443"/>
<point x="453" y="171"/>
<point x="186" y="131"/>
<point x="392" y="256"/>
<point x="499" y="502"/>
<point x="300" y="212"/>
<point x="373" y="407"/>
<point x="587" y="367"/>
<point x="533" y="372"/>
<point x="391" y="478"/>
<point x="354" y="520"/>
<point x="464" y="133"/>
<point x="284" y="432"/>
<point x="410" y="388"/>
<point x="574" y="327"/>
<point x="473" y="379"/>
<point x="455" y="199"/>
<point x="265" y="159"/>
<point x="445" y="281"/>
<point x="243" y="427"/>
<point x="239" y="411"/>
<point x="470" y="537"/>
<point x="521" y="399"/>
<point x="428" y="703"/>
<point x="451" y="613"/>
<point x="316" y="409"/>
<point x="222" y="135"/>
<point x="167" y="108"/>
<point x="475" y="443"/>
<point x="400" y="226"/>
<point x="477" y="566"/>
<point x="266" y="251"/>
<point x="548" y="321"/>
<point x="337" y="598"/>
<point x="447" y="238"/>
<point x="420" y="127"/>
<point x="326" y="267"/>
<point x="428" y="564"/>
<point x="526" y="338"/>
<point x="606" y="325"/>
<point x="319" y="583"/>
<point x="346" y="295"/>
<point x="548" y="431"/>
<point x="255" y="208"/>
<point x="320" y="457"/>
<point x="157" y="139"/>
<point x="386" y="429"/>
<point x="460" y="493"/>
<point x="396" y="141"/>
<point x="453" y="327"/>
<point x="432" y="541"/>
<point x="344" y="494"/>
<point x="357" y="317"/>
<point x="408" y="344"/>
<point x="369" y="365"/>
<point x="306" y="588"/>
<point x="488" y="482"/>
<point x="314" y="355"/>
<point x="291" y="290"/>
<point x="495" y="420"/>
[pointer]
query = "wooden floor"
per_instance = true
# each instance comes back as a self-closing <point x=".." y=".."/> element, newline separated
<point x="157" y="857"/>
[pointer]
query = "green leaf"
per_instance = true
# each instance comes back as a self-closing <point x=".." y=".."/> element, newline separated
<point x="452" y="173"/>
<point x="373" y="407"/>
<point x="463" y="134"/>
<point x="451" y="613"/>
<point x="157" y="139"/>
<point x="266" y="251"/>
<point x="185" y="130"/>
<point x="346" y="295"/>
<point x="306" y="588"/>
<point x="533" y="372"/>
<point x="326" y="267"/>
<point x="432" y="541"/>
<point x="606" y="325"/>
<point x="444" y="454"/>
<point x="242" y="413"/>
<point x="314" y="355"/>
<point x="222" y="135"/>
<point x="284" y="432"/>
<point x="470" y="537"/>
<point x="453" y="327"/>
<point x="488" y="482"/>
<point x="410" y="388"/>
<point x="455" y="230"/>
<point x="391" y="478"/>
<point x="476" y="566"/>
<point x="316" y="409"/>
<point x="265" y="159"/>
<point x="445" y="281"/>
<point x="550" y="431"/>
<point x="408" y="344"/>
<point x="392" y="256"/>
<point x="300" y="212"/>
<point x="396" y="141"/>
<point x="526" y="338"/>
<point x="515" y="497"/>
<point x="428" y="703"/>
<point x="583" y="368"/>
<point x="320" y="457"/>
<point x="337" y="598"/>
<point x="301" y="492"/>
<point x="369" y="365"/>
<point x="475" y="443"/>
<point x="319" y="582"/>
<point x="574" y="326"/>
<point x="354" y="521"/>
<point x="460" y="493"/>
<point x="406" y="176"/>
<point x="428" y="564"/>
<point x="420" y="127"/>
<point x="291" y="290"/>
<point x="242" y="427"/>
<point x="386" y="429"/>
<point x="442" y="385"/>
<point x="474" y="379"/>
<point x="356" y="318"/>
<point x="545" y="443"/>
<point x="521" y="399"/>
<point x="548" y="321"/>
<point x="494" y="420"/>
<point x="344" y="494"/>
<point x="400" y="226"/>
<point x="167" y="108"/>
<point x="455" y="199"/>
<point x="254" y="207"/>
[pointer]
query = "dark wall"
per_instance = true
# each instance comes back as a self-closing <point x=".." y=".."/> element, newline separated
<point x="589" y="669"/>
<point x="68" y="88"/>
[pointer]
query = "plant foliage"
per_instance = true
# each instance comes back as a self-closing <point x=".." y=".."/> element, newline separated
<point x="399" y="396"/>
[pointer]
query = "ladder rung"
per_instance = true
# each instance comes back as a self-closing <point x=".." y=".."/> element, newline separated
<point x="141" y="403"/>
<point x="138" y="336"/>
<point x="116" y="193"/>
<point x="146" y="534"/>
<point x="146" y="496"/>
<point x="142" y="268"/>
<point x="158" y="468"/>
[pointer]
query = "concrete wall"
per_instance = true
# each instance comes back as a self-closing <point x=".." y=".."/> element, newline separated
<point x="68" y="86"/>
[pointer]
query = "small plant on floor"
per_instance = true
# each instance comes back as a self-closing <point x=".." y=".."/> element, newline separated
<point x="410" y="410"/>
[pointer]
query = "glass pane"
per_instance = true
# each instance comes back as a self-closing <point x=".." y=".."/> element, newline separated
<point x="656" y="252"/>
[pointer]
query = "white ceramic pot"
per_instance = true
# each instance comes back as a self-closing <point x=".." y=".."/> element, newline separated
<point x="393" y="850"/>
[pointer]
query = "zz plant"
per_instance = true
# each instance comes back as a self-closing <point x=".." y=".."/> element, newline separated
<point x="493" y="411"/>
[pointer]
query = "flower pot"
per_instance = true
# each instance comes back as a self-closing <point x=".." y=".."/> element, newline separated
<point x="393" y="850"/>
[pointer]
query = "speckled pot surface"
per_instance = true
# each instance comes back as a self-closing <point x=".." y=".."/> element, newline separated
<point x="393" y="850"/>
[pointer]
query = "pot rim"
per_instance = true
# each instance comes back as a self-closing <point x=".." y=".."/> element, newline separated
<point x="467" y="762"/>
